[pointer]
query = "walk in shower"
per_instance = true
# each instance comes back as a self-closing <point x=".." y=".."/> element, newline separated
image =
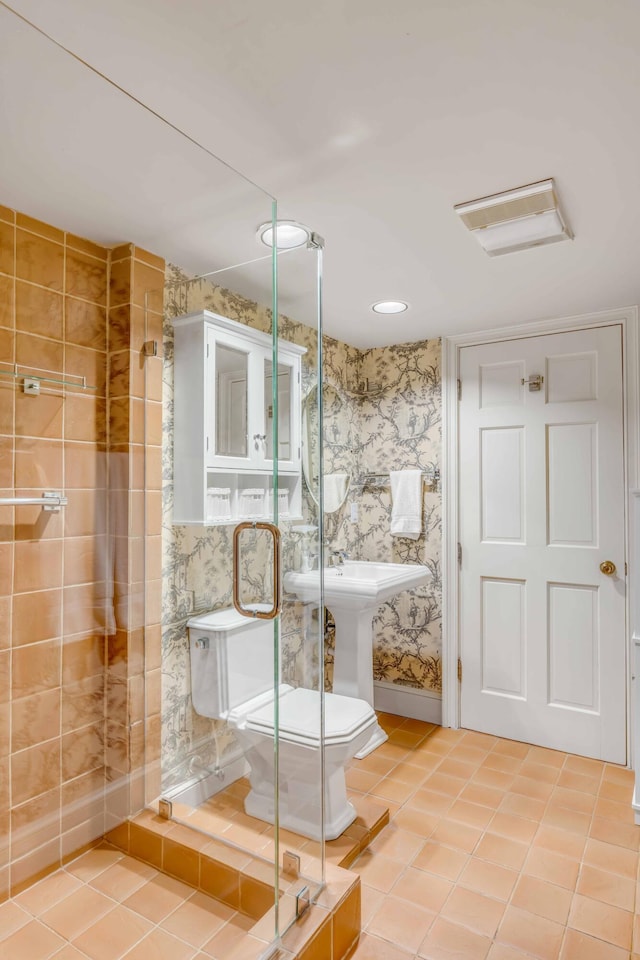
<point x="122" y="484"/>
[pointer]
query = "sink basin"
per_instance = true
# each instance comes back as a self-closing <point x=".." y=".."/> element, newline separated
<point x="357" y="584"/>
<point x="353" y="591"/>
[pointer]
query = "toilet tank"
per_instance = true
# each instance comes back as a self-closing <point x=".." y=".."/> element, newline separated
<point x="231" y="660"/>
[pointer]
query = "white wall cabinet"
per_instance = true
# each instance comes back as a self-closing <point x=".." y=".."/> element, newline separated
<point x="223" y="422"/>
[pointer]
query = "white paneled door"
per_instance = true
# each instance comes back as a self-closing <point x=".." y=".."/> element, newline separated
<point x="541" y="509"/>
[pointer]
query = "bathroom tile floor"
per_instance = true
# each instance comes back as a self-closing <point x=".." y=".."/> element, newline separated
<point x="108" y="906"/>
<point x="495" y="851"/>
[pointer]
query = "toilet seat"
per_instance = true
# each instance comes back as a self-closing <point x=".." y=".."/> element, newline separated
<point x="298" y="720"/>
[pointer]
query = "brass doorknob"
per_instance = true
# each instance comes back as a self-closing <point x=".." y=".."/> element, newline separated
<point x="608" y="567"/>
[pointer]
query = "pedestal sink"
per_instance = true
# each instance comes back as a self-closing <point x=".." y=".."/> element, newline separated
<point x="353" y="591"/>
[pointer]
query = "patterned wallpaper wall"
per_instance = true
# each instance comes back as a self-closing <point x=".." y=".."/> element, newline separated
<point x="396" y="426"/>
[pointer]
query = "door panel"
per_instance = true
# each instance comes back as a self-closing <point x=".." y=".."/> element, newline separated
<point x="541" y="506"/>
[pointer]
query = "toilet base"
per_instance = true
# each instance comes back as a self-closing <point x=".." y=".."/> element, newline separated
<point x="262" y="807"/>
<point x="377" y="737"/>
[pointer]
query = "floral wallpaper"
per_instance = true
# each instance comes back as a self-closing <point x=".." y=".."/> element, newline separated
<point x="394" y="424"/>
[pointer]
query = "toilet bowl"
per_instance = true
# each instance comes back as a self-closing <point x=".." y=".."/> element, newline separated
<point x="232" y="679"/>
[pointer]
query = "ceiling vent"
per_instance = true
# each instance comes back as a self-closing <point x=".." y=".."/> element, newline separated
<point x="516" y="219"/>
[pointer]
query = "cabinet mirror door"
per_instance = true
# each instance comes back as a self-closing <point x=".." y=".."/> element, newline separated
<point x="285" y="417"/>
<point x="231" y="402"/>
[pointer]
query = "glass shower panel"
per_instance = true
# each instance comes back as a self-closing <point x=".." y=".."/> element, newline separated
<point x="227" y="774"/>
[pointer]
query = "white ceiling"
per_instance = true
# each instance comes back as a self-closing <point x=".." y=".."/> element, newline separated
<point x="367" y="120"/>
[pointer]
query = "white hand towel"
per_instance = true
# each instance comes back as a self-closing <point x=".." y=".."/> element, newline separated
<point x="335" y="490"/>
<point x="406" y="510"/>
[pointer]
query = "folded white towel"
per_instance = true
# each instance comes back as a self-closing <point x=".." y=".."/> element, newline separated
<point x="406" y="510"/>
<point x="335" y="490"/>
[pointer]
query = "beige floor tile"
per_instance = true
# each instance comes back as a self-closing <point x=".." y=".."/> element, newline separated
<point x="402" y="923"/>
<point x="374" y="948"/>
<point x="564" y="842"/>
<point x="610" y="831"/>
<point x="514" y="828"/>
<point x="489" y="878"/>
<point x="579" y="946"/>
<point x="114" y="935"/>
<point x="12" y="917"/>
<point x="423" y="889"/>
<point x="158" y="897"/>
<point x="70" y="953"/>
<point x="531" y="934"/>
<point x="610" y="857"/>
<point x="501" y="850"/>
<point x="397" y="843"/>
<point x="471" y="814"/>
<point x="416" y="821"/>
<point x="228" y="936"/>
<point x="430" y="802"/>
<point x="378" y="871"/>
<point x="197" y="919"/>
<point x="90" y="864"/>
<point x="457" y="835"/>
<point x="539" y="771"/>
<point x="395" y="790"/>
<point x="547" y="865"/>
<point x="440" y="860"/>
<point x="449" y="941"/>
<point x="608" y="887"/>
<point x="371" y="900"/>
<point x="473" y="910"/>
<point x="482" y="794"/>
<point x="601" y="920"/>
<point x="33" y="941"/>
<point x="521" y="806"/>
<point x="76" y="912"/>
<point x="123" y="878"/>
<point x="542" y="898"/>
<point x="47" y="892"/>
<point x="160" y="945"/>
<point x="499" y="951"/>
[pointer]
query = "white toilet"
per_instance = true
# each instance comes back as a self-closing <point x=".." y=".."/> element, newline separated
<point x="232" y="679"/>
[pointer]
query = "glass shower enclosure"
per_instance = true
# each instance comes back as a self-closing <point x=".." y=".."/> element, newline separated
<point x="117" y="529"/>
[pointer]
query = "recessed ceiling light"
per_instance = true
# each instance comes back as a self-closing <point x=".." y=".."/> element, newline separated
<point x="289" y="234"/>
<point x="390" y="306"/>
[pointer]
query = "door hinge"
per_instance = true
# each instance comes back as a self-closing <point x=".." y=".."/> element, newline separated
<point x="207" y="349"/>
<point x="460" y="554"/>
<point x="459" y="382"/>
<point x="625" y="568"/>
<point x="459" y="670"/>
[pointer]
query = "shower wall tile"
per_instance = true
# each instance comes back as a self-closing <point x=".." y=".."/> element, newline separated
<point x="39" y="260"/>
<point x="34" y="719"/>
<point x="39" y="311"/>
<point x="7" y="302"/>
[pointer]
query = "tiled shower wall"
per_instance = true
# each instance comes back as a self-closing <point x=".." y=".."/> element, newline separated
<point x="65" y="610"/>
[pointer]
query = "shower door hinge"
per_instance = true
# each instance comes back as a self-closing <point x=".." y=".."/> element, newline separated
<point x="459" y="670"/>
<point x="303" y="902"/>
<point x="150" y="348"/>
<point x="459" y="382"/>
<point x="165" y="809"/>
<point x="459" y="552"/>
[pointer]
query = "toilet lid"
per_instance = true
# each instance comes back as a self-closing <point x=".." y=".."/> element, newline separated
<point x="299" y="717"/>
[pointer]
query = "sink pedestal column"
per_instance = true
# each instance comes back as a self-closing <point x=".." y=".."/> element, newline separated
<point x="353" y="662"/>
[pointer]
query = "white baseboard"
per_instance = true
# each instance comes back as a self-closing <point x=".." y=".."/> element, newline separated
<point x="197" y="790"/>
<point x="407" y="702"/>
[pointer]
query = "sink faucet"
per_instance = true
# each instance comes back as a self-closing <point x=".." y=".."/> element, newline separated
<point x="337" y="558"/>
